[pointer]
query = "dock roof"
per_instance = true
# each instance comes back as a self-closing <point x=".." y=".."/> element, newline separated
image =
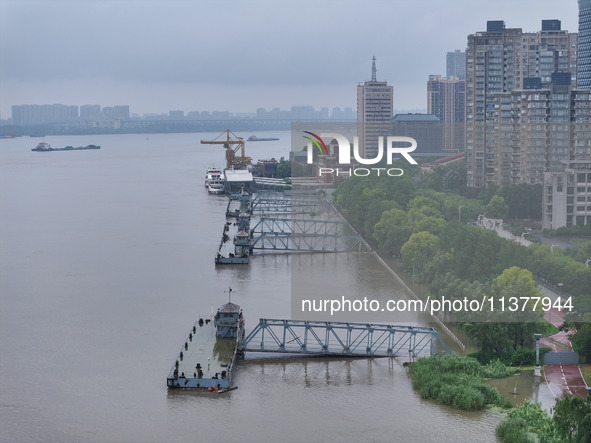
<point x="238" y="175"/>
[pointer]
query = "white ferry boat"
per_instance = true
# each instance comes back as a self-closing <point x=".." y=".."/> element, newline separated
<point x="216" y="187"/>
<point x="212" y="174"/>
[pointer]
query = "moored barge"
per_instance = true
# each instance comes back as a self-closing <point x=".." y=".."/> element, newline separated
<point x="235" y="247"/>
<point x="209" y="354"/>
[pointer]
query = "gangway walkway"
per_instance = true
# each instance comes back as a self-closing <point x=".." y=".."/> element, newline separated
<point x="294" y="223"/>
<point x="273" y="203"/>
<point x="306" y="235"/>
<point x="342" y="338"/>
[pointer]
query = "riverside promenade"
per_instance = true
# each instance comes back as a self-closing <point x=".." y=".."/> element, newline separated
<point x="561" y="378"/>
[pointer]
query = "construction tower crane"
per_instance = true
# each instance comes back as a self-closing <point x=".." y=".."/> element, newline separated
<point x="233" y="144"/>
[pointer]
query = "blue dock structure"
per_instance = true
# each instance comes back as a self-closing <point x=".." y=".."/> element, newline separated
<point x="301" y="222"/>
<point x="284" y="224"/>
<point x="341" y="339"/>
<point x="235" y="244"/>
<point x="266" y="203"/>
<point x="208" y="357"/>
<point x="210" y="353"/>
<point x="306" y="235"/>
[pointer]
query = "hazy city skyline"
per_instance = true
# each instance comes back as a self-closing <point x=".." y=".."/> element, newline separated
<point x="157" y="56"/>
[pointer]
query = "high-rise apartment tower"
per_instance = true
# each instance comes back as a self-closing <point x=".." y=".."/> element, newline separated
<point x="584" y="51"/>
<point x="499" y="61"/>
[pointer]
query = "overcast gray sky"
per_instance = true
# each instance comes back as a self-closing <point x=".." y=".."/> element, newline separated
<point x="161" y="55"/>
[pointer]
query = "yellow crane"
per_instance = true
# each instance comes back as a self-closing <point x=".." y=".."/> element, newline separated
<point x="233" y="144"/>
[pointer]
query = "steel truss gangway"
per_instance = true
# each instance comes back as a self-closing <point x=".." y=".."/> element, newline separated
<point x="266" y="204"/>
<point x="342" y="338"/>
<point x="306" y="235"/>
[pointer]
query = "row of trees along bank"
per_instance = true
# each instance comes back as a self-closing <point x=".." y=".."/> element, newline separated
<point x="404" y="217"/>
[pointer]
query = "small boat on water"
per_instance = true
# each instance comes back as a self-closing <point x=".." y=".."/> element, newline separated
<point x="46" y="147"/>
<point x="254" y="138"/>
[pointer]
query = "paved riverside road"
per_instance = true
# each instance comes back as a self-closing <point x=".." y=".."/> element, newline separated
<point x="561" y="379"/>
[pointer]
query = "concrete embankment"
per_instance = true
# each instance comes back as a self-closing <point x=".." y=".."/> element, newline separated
<point x="440" y="324"/>
<point x="438" y="321"/>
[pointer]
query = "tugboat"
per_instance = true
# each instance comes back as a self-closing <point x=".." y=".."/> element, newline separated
<point x="209" y="354"/>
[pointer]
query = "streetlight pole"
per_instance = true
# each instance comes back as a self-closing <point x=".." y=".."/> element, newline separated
<point x="460" y="213"/>
<point x="537" y="366"/>
<point x="413" y="273"/>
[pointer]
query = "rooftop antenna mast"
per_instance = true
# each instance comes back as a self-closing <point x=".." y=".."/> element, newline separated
<point x="229" y="291"/>
<point x="373" y="69"/>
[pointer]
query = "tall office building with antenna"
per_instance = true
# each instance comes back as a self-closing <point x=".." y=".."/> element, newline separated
<point x="374" y="111"/>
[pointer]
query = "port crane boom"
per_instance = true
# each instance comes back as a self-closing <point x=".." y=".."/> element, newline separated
<point x="235" y="155"/>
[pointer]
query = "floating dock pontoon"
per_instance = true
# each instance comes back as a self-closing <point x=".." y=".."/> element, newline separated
<point x="209" y="354"/>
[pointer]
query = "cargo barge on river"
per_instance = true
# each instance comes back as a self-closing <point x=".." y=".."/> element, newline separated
<point x="46" y="147"/>
<point x="209" y="354"/>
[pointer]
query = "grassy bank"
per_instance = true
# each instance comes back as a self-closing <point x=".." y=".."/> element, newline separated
<point x="458" y="381"/>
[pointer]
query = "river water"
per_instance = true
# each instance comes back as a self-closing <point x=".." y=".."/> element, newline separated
<point x="106" y="260"/>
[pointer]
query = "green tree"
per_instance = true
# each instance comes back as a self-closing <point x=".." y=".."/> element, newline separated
<point x="421" y="201"/>
<point x="351" y="197"/>
<point x="419" y="248"/>
<point x="492" y="337"/>
<point x="486" y="194"/>
<point x="581" y="306"/>
<point x="583" y="252"/>
<point x="496" y="208"/>
<point x="454" y="177"/>
<point x="393" y="230"/>
<point x="370" y="208"/>
<point x="580" y="336"/>
<point x="433" y="225"/>
<point x="523" y="200"/>
<point x="451" y="178"/>
<point x="513" y="284"/>
<point x="283" y="168"/>
<point x="572" y="419"/>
